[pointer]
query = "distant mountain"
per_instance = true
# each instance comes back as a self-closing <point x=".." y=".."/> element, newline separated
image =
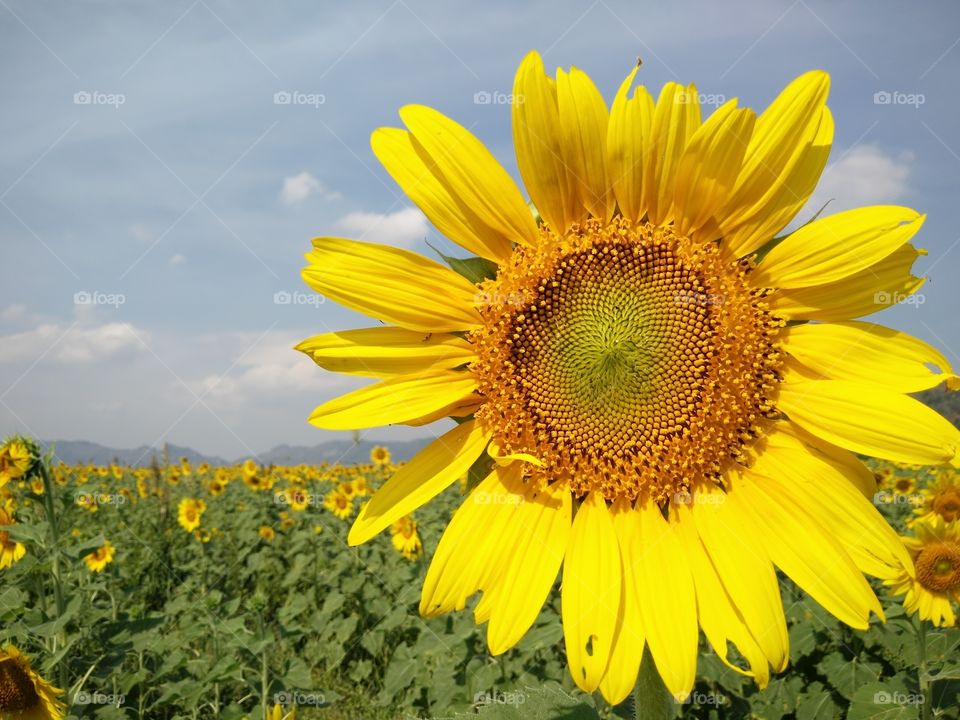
<point x="347" y="452"/>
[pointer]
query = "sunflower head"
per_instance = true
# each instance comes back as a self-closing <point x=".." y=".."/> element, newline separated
<point x="24" y="694"/>
<point x="933" y="589"/>
<point x="663" y="389"/>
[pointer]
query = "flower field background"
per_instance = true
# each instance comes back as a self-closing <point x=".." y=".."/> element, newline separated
<point x="227" y="592"/>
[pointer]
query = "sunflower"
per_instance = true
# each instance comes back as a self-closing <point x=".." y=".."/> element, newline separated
<point x="338" y="503"/>
<point x="267" y="533"/>
<point x="101" y="557"/>
<point x="660" y="394"/>
<point x="10" y="550"/>
<point x="24" y="694"/>
<point x="380" y="455"/>
<point x="942" y="499"/>
<point x="15" y="460"/>
<point x="190" y="512"/>
<point x="935" y="587"/>
<point x="405" y="539"/>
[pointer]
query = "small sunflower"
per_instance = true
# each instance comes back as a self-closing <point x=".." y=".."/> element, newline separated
<point x="666" y="393"/>
<point x="190" y="513"/>
<point x="267" y="533"/>
<point x="380" y="455"/>
<point x="10" y="550"/>
<point x="101" y="557"/>
<point x="16" y="459"/>
<point x="935" y="588"/>
<point x="202" y="535"/>
<point x="405" y="539"/>
<point x="24" y="694"/>
<point x="941" y="498"/>
<point x="338" y="503"/>
<point x="903" y="484"/>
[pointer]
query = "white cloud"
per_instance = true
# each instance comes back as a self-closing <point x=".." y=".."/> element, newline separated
<point x="177" y="259"/>
<point x="70" y="344"/>
<point x="865" y="175"/>
<point x="298" y="188"/>
<point x="402" y="228"/>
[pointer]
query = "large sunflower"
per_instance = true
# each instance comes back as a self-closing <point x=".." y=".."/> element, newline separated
<point x="24" y="694"/>
<point x="667" y="393"/>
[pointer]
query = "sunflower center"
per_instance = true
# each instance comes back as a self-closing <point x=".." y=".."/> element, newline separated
<point x="16" y="688"/>
<point x="948" y="505"/>
<point x="938" y="566"/>
<point x="626" y="359"/>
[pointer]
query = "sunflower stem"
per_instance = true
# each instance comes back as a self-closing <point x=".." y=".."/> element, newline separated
<point x="922" y="678"/>
<point x="651" y="699"/>
<point x="50" y="507"/>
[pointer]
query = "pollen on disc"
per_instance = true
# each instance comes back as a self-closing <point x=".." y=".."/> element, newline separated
<point x="629" y="360"/>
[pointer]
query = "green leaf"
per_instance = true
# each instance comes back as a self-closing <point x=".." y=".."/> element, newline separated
<point x="549" y="702"/>
<point x="474" y="269"/>
<point x="888" y="700"/>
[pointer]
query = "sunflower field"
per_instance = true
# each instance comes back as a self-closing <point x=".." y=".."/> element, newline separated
<point x="229" y="592"/>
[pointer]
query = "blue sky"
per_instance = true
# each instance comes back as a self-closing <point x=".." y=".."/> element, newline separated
<point x="156" y="194"/>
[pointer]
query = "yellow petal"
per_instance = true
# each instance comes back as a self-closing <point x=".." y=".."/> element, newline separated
<point x="719" y="618"/>
<point x="628" y="140"/>
<point x="472" y="174"/>
<point x="675" y="120"/>
<point x="628" y="639"/>
<point x="393" y="285"/>
<point x="806" y="551"/>
<point x="865" y="352"/>
<point x="668" y="601"/>
<point x="870" y="420"/>
<point x="786" y="155"/>
<point x="386" y="351"/>
<point x="742" y="563"/>
<point x="470" y="546"/>
<point x="835" y="247"/>
<point x="878" y="287"/>
<point x="430" y="472"/>
<point x="590" y="594"/>
<point x="536" y="552"/>
<point x="710" y="165"/>
<point x="538" y="141"/>
<point x="809" y="476"/>
<point x="398" y="399"/>
<point x="583" y="127"/>
<point x="410" y="166"/>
